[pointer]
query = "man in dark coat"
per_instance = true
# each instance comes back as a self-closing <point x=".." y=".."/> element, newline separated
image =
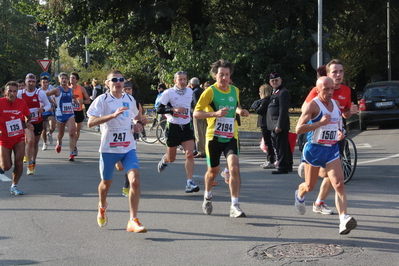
<point x="278" y="122"/>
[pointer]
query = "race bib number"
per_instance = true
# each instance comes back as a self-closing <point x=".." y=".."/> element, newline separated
<point x="76" y="106"/>
<point x="224" y="127"/>
<point x="182" y="115"/>
<point x="118" y="138"/>
<point x="14" y="128"/>
<point x="67" y="108"/>
<point x="328" y="135"/>
<point x="34" y="115"/>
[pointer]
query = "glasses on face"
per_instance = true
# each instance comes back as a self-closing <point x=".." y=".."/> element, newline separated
<point x="274" y="80"/>
<point x="122" y="79"/>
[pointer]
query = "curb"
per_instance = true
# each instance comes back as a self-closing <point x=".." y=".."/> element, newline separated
<point x="252" y="138"/>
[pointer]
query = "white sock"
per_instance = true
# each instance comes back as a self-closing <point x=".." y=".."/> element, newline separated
<point x="300" y="199"/>
<point x="319" y="201"/>
<point x="189" y="181"/>
<point x="208" y="194"/>
<point x="234" y="200"/>
<point x="343" y="217"/>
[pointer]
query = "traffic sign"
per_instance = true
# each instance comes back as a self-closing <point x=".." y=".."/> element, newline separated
<point x="44" y="63"/>
<point x="45" y="74"/>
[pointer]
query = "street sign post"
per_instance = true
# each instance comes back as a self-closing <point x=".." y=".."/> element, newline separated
<point x="44" y="64"/>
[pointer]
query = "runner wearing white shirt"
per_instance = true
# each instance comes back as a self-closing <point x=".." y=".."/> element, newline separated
<point x="176" y="104"/>
<point x="114" y="112"/>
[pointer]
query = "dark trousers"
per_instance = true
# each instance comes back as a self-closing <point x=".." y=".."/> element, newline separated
<point x="267" y="136"/>
<point x="283" y="150"/>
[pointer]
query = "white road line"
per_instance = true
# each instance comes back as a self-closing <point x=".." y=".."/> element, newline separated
<point x="380" y="159"/>
<point x="4" y="178"/>
<point x="363" y="146"/>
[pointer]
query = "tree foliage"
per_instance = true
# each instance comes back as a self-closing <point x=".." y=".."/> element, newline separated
<point x="151" y="39"/>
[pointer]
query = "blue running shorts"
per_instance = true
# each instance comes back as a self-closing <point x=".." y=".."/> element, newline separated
<point x="108" y="160"/>
<point x="318" y="155"/>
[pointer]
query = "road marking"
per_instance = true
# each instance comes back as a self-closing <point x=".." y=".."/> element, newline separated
<point x="380" y="159"/>
<point x="363" y="146"/>
<point x="4" y="178"/>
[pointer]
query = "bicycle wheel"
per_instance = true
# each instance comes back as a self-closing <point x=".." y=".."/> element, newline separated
<point x="161" y="132"/>
<point x="349" y="159"/>
<point x="149" y="135"/>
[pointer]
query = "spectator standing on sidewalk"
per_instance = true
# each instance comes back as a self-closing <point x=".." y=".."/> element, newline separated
<point x="199" y="124"/>
<point x="278" y="122"/>
<point x="260" y="107"/>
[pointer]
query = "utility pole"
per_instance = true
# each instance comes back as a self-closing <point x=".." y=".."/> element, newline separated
<point x="389" y="44"/>
<point x="320" y="35"/>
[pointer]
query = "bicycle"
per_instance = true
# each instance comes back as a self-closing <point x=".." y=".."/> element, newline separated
<point x="149" y="135"/>
<point x="161" y="127"/>
<point x="349" y="159"/>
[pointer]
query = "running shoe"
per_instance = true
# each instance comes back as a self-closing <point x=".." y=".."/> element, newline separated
<point x="214" y="183"/>
<point x="14" y="190"/>
<point x="299" y="206"/>
<point x="2" y="171"/>
<point x="58" y="148"/>
<point x="25" y="159"/>
<point x="226" y="175"/>
<point x="207" y="206"/>
<point x="50" y="137"/>
<point x="321" y="209"/>
<point x="125" y="192"/>
<point x="162" y="165"/>
<point x="71" y="157"/>
<point x="102" y="218"/>
<point x="236" y="212"/>
<point x="301" y="170"/>
<point x="135" y="226"/>
<point x="75" y="151"/>
<point x="30" y="169"/>
<point x="192" y="187"/>
<point x="348" y="224"/>
<point x="44" y="147"/>
<point x="268" y="165"/>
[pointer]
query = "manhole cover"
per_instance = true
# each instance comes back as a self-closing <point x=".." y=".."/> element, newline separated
<point x="303" y="250"/>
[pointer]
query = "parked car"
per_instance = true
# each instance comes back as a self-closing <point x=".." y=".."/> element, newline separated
<point x="379" y="103"/>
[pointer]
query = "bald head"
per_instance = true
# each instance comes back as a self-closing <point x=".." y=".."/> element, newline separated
<point x="324" y="82"/>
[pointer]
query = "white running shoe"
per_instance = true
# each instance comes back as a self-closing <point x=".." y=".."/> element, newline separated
<point x="50" y="137"/>
<point x="348" y="224"/>
<point x="321" y="209"/>
<point x="299" y="206"/>
<point x="44" y="147"/>
<point x="236" y="212"/>
<point x="301" y="170"/>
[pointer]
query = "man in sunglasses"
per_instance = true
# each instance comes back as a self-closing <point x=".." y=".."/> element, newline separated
<point x="175" y="103"/>
<point x="114" y="112"/>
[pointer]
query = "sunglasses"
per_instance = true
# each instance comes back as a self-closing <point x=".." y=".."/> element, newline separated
<point x="114" y="80"/>
<point x="181" y="73"/>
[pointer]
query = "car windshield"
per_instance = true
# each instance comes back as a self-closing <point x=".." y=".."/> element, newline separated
<point x="391" y="91"/>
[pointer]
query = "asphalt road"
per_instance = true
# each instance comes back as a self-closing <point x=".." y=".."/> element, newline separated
<point x="54" y="223"/>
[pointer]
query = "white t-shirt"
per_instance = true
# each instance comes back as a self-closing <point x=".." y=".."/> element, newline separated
<point x="116" y="134"/>
<point x="176" y="100"/>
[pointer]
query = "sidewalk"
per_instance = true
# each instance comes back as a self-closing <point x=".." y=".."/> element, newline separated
<point x="252" y="138"/>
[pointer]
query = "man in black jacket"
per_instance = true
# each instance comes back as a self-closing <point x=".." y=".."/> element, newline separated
<point x="278" y="122"/>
